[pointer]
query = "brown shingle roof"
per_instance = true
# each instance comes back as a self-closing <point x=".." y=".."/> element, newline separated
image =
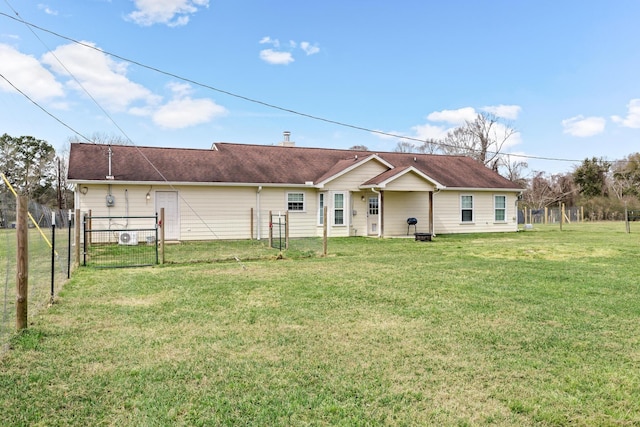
<point x="261" y="164"/>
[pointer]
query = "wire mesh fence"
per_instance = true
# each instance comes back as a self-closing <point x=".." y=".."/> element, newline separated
<point x="553" y="215"/>
<point x="134" y="246"/>
<point x="229" y="232"/>
<point x="50" y="258"/>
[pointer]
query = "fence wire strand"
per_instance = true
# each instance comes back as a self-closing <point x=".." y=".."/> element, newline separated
<point x="42" y="266"/>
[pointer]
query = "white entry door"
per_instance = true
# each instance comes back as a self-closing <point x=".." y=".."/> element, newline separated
<point x="373" y="217"/>
<point x="169" y="201"/>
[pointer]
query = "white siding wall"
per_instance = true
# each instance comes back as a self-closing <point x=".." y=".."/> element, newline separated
<point x="447" y="216"/>
<point x="399" y="206"/>
<point x="208" y="213"/>
<point x="129" y="201"/>
<point x="301" y="224"/>
<point x="225" y="212"/>
<point x="359" y="213"/>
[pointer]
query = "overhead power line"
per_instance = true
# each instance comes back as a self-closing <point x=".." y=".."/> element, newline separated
<point x="44" y="109"/>
<point x="249" y="99"/>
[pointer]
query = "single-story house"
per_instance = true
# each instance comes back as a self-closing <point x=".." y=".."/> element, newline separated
<point x="229" y="190"/>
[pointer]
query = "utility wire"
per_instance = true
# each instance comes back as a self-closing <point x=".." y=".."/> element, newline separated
<point x="44" y="109"/>
<point x="111" y="119"/>
<point x="256" y="101"/>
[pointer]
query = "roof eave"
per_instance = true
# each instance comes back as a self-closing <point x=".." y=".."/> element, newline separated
<point x="192" y="184"/>
<point x="493" y="189"/>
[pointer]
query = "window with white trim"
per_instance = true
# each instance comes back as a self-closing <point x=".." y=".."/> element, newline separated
<point x="338" y="209"/>
<point x="500" y="208"/>
<point x="321" y="204"/>
<point x="466" y="208"/>
<point x="295" y="202"/>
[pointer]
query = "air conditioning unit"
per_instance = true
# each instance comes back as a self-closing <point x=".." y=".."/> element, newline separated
<point x="128" y="238"/>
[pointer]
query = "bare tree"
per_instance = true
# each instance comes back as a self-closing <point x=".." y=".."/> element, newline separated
<point x="405" y="147"/>
<point x="430" y="146"/>
<point x="359" y="148"/>
<point x="482" y="139"/>
<point x="547" y="190"/>
<point x="514" y="170"/>
<point x="625" y="180"/>
<point x="102" y="138"/>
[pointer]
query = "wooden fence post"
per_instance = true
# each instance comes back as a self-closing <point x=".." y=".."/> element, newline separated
<point x="251" y="235"/>
<point x="626" y="218"/>
<point x="76" y="240"/>
<point x="324" y="230"/>
<point x="270" y="229"/>
<point x="22" y="257"/>
<point x="286" y="230"/>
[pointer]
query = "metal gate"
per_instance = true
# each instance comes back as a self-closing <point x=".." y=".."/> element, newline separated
<point x="111" y="242"/>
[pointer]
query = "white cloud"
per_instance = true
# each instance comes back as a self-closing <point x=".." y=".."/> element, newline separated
<point x="28" y="75"/>
<point x="268" y="40"/>
<point x="274" y="57"/>
<point x="284" y="56"/>
<point x="583" y="126"/>
<point x="104" y="78"/>
<point x="47" y="9"/>
<point x="633" y="115"/>
<point x="455" y="117"/>
<point x="172" y="13"/>
<point x="427" y="131"/>
<point x="309" y="49"/>
<point x="107" y="82"/>
<point x="509" y="112"/>
<point x="183" y="111"/>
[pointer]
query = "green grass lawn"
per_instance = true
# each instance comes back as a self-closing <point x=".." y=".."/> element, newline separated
<point x="534" y="328"/>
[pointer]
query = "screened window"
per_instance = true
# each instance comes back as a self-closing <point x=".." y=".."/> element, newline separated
<point x="500" y="208"/>
<point x="321" y="202"/>
<point x="466" y="208"/>
<point x="338" y="209"/>
<point x="295" y="202"/>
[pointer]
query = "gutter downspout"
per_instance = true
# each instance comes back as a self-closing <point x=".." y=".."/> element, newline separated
<point x="379" y="211"/>
<point x="258" y="211"/>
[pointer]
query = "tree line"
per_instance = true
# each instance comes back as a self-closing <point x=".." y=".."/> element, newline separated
<point x="604" y="188"/>
<point x="33" y="169"/>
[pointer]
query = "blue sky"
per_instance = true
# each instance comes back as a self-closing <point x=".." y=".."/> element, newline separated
<point x="564" y="74"/>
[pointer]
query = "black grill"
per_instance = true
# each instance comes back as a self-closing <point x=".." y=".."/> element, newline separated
<point x="410" y="222"/>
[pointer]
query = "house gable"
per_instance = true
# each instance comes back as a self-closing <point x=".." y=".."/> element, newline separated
<point x="354" y="174"/>
<point x="403" y="179"/>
